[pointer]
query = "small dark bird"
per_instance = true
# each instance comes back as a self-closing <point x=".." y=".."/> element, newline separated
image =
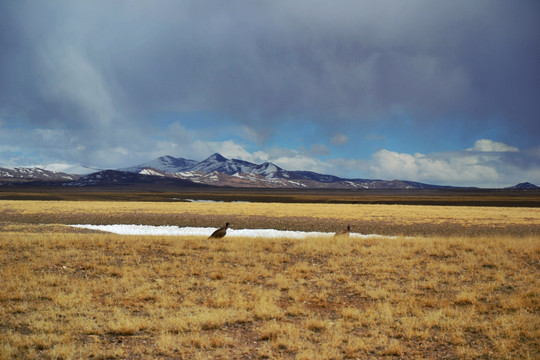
<point x="344" y="233"/>
<point x="219" y="233"/>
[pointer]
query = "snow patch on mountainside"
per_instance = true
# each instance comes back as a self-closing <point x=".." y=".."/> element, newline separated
<point x="151" y="172"/>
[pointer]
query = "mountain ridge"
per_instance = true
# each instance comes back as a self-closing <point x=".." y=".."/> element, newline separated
<point x="216" y="170"/>
<point x="220" y="171"/>
<point x="524" y="186"/>
<point x="33" y="174"/>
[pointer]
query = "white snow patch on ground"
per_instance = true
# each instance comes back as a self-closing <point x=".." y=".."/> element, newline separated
<point x="206" y="231"/>
<point x="213" y="201"/>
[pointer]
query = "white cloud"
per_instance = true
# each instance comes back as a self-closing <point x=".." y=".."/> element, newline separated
<point x="490" y="164"/>
<point x="66" y="168"/>
<point x="9" y="148"/>
<point x="291" y="159"/>
<point x="231" y="149"/>
<point x="339" y="139"/>
<point x="487" y="145"/>
<point x="439" y="168"/>
<point x="288" y="159"/>
<point x="258" y="136"/>
<point x="390" y="164"/>
<point x="179" y="133"/>
<point x="318" y="150"/>
<point x="71" y="77"/>
<point x="51" y="136"/>
<point x="108" y="157"/>
<point x="298" y="161"/>
<point x="486" y="164"/>
<point x="459" y="168"/>
<point x="535" y="152"/>
<point x="374" y="137"/>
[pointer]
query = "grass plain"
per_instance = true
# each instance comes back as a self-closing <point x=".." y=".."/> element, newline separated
<point x="450" y="197"/>
<point x="431" y="292"/>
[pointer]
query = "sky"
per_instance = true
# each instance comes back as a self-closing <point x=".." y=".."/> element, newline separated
<point x="441" y="92"/>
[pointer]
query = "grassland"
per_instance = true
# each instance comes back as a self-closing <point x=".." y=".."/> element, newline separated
<point x="380" y="219"/>
<point x="67" y="293"/>
<point x="447" y="197"/>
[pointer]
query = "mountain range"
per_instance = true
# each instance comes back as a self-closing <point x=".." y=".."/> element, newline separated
<point x="33" y="174"/>
<point x="216" y="170"/>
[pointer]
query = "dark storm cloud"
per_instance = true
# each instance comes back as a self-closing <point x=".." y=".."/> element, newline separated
<point x="101" y="65"/>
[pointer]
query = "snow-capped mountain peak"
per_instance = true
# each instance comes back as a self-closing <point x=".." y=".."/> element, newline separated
<point x="223" y="165"/>
<point x="265" y="174"/>
<point x="217" y="158"/>
<point x="167" y="163"/>
<point x="216" y="170"/>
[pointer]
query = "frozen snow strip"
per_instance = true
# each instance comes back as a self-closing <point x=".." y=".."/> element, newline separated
<point x="212" y="201"/>
<point x="206" y="231"/>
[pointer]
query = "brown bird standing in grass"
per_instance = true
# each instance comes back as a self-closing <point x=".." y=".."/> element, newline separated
<point x="344" y="233"/>
<point x="219" y="233"/>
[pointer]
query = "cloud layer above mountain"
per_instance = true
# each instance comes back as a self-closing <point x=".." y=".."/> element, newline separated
<point x="115" y="82"/>
<point x="487" y="163"/>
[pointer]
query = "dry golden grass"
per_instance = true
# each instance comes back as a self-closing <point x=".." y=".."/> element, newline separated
<point x="107" y="296"/>
<point x="400" y="214"/>
<point x="67" y="294"/>
<point x="381" y="219"/>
